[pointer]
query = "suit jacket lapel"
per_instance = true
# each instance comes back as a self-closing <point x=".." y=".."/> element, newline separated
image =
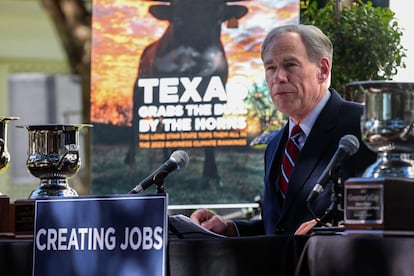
<point x="272" y="174"/>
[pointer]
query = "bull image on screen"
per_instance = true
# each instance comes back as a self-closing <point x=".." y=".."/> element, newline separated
<point x="189" y="51"/>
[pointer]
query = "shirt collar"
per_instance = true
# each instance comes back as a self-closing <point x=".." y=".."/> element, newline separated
<point x="307" y="123"/>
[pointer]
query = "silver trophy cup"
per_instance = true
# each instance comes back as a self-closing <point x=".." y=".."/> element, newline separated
<point x="387" y="127"/>
<point x="54" y="157"/>
<point x="4" y="153"/>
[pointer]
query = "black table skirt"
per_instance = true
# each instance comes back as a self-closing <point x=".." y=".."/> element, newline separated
<point x="235" y="256"/>
<point x="301" y="256"/>
<point x="357" y="256"/>
<point x="252" y="256"/>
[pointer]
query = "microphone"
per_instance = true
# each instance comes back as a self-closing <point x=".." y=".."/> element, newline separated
<point x="178" y="160"/>
<point x="348" y="145"/>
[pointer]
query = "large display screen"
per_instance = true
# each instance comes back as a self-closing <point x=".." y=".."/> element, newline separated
<point x="187" y="75"/>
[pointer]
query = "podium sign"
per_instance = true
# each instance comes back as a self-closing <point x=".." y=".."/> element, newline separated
<point x="114" y="235"/>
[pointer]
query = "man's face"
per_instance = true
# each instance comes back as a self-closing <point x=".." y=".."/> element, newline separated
<point x="296" y="84"/>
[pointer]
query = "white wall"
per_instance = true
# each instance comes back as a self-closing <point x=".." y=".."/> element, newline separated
<point x="404" y="16"/>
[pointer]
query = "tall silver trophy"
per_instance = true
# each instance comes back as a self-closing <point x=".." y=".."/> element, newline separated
<point x="387" y="127"/>
<point x="382" y="198"/>
<point x="4" y="153"/>
<point x="5" y="160"/>
<point x="54" y="157"/>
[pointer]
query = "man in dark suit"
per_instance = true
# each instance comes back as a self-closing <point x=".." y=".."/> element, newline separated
<point x="297" y="61"/>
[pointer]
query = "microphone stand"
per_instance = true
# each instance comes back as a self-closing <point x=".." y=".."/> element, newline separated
<point x="335" y="212"/>
<point x="159" y="182"/>
<point x="160" y="186"/>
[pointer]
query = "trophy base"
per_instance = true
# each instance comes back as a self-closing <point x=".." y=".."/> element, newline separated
<point x="379" y="204"/>
<point x="53" y="187"/>
<point x="390" y="166"/>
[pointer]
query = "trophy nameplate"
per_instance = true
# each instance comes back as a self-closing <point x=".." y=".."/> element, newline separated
<point x="24" y="217"/>
<point x="379" y="204"/>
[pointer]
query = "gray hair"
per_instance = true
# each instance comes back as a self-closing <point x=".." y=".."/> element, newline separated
<point x="317" y="44"/>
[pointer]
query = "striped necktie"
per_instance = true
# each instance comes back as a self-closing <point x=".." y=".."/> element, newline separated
<point x="290" y="156"/>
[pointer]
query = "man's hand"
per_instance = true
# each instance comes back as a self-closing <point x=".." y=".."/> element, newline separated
<point x="213" y="222"/>
<point x="305" y="227"/>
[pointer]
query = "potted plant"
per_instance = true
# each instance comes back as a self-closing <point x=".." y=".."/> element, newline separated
<point x="366" y="39"/>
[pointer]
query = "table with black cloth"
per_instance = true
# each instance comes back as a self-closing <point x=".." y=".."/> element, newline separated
<point x="357" y="255"/>
<point x="16" y="257"/>
<point x="250" y="256"/>
<point x="318" y="255"/>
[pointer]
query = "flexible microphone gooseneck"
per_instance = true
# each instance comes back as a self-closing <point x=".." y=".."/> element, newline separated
<point x="178" y="160"/>
<point x="348" y="145"/>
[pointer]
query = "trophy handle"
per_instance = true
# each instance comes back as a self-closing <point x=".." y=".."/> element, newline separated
<point x="1" y="146"/>
<point x="406" y="133"/>
<point x="61" y="162"/>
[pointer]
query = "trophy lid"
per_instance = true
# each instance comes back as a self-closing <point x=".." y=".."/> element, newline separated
<point x="8" y="118"/>
<point x="382" y="85"/>
<point x="55" y="127"/>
